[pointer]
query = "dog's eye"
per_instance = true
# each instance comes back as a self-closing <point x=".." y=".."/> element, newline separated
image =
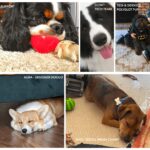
<point x="127" y="124"/>
<point x="136" y="132"/>
<point x="30" y="121"/>
<point x="20" y="122"/>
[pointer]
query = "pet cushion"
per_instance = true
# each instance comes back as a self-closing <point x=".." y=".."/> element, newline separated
<point x="143" y="139"/>
<point x="17" y="88"/>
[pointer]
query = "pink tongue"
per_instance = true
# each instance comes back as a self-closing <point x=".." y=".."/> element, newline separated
<point x="106" y="52"/>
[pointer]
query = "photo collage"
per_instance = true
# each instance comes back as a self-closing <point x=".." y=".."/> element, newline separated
<point x="74" y="74"/>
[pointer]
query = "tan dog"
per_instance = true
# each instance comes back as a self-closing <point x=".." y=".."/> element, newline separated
<point x="68" y="50"/>
<point x="120" y="110"/>
<point x="37" y="115"/>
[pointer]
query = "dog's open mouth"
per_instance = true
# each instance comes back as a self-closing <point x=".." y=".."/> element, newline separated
<point x="106" y="51"/>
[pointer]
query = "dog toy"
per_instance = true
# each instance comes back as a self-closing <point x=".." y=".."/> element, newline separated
<point x="69" y="140"/>
<point x="142" y="140"/>
<point x="68" y="50"/>
<point x="70" y="104"/>
<point x="117" y="100"/>
<point x="44" y="44"/>
<point x="130" y="76"/>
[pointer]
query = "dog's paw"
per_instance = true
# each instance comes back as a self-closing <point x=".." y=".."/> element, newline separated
<point x="138" y="52"/>
<point x="42" y="129"/>
<point x="55" y="123"/>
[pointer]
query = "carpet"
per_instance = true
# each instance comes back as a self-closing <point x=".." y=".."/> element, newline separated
<point x="84" y="122"/>
<point x="32" y="61"/>
<point x="127" y="60"/>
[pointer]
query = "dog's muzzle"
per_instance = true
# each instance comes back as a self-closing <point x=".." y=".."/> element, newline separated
<point x="57" y="28"/>
<point x="100" y="39"/>
<point x="24" y="131"/>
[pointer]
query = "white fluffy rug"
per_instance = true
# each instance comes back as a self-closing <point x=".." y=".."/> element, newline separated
<point x="32" y="61"/>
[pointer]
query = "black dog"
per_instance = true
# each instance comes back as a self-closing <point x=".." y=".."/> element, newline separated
<point x="97" y="33"/>
<point x="18" y="19"/>
<point x="141" y="27"/>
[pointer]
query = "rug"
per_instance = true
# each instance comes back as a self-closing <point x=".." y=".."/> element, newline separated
<point x="32" y="61"/>
<point x="127" y="60"/>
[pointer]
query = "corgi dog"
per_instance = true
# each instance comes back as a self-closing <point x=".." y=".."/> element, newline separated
<point x="37" y="115"/>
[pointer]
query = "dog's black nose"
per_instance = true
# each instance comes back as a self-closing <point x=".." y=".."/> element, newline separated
<point x="100" y="39"/>
<point x="127" y="139"/>
<point x="58" y="28"/>
<point x="24" y="130"/>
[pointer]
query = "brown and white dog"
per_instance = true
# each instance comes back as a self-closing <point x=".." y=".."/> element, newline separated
<point x="37" y="115"/>
<point x="120" y="110"/>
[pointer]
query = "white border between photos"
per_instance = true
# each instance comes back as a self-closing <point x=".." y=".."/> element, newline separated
<point x="65" y="73"/>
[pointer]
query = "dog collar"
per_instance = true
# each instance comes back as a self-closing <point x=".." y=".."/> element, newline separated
<point x="120" y="101"/>
<point x="142" y="37"/>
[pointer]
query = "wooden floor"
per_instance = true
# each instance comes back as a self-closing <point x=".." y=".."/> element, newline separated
<point x="53" y="137"/>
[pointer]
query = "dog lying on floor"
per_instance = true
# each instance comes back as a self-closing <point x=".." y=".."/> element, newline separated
<point x="37" y="115"/>
<point x="120" y="110"/>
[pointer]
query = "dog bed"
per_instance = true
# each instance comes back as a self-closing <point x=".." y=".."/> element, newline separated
<point x="143" y="139"/>
<point x="19" y="88"/>
<point x="32" y="61"/>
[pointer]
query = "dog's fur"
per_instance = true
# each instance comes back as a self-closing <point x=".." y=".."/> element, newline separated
<point x="20" y="19"/>
<point x="37" y="115"/>
<point x="128" y="117"/>
<point x="95" y="24"/>
<point x="141" y="27"/>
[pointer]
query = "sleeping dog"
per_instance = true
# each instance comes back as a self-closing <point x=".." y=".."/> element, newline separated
<point x="37" y="115"/>
<point x="141" y="28"/>
<point x="25" y="19"/>
<point x="120" y="110"/>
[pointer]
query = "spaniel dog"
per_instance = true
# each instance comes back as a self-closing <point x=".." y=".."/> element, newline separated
<point x="25" y="19"/>
<point x="140" y="26"/>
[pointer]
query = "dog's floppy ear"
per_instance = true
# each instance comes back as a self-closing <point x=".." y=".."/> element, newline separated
<point x="68" y="23"/>
<point x="15" y="31"/>
<point x="123" y="111"/>
<point x="43" y="111"/>
<point x="13" y="114"/>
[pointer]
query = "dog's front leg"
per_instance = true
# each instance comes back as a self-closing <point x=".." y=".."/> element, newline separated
<point x="109" y="120"/>
<point x="47" y="125"/>
<point x="138" y="48"/>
